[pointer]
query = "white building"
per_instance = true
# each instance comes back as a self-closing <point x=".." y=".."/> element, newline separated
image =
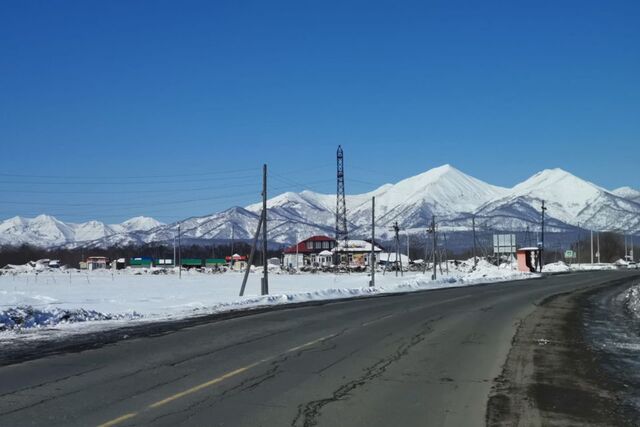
<point x="356" y="253"/>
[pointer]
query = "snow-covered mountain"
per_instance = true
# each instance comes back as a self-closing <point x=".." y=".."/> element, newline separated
<point x="628" y="193"/>
<point x="47" y="231"/>
<point x="569" y="200"/>
<point x="449" y="194"/>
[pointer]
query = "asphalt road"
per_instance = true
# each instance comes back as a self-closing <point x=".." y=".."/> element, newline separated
<point x="425" y="358"/>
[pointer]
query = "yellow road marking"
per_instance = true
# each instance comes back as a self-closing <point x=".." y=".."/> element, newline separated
<point x="204" y="385"/>
<point x="209" y="383"/>
<point x="310" y="343"/>
<point x="118" y="420"/>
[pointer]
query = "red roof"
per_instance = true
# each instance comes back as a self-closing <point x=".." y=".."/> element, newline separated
<point x="302" y="246"/>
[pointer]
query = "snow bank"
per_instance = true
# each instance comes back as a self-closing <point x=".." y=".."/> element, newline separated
<point x="69" y="301"/>
<point x="632" y="301"/>
<point x="561" y="267"/>
<point x="29" y="317"/>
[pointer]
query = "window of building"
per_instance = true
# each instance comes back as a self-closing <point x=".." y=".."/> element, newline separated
<point x="309" y="245"/>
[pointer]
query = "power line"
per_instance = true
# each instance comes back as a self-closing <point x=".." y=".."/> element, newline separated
<point x="218" y="172"/>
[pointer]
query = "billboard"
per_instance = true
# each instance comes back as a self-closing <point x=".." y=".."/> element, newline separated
<point x="504" y="243"/>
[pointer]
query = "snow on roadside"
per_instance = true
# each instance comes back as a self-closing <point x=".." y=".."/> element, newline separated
<point x="561" y="267"/>
<point x="75" y="302"/>
<point x="632" y="301"/>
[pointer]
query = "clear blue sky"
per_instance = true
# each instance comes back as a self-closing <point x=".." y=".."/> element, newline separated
<point x="97" y="98"/>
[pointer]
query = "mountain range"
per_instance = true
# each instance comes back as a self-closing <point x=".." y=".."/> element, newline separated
<point x="450" y="195"/>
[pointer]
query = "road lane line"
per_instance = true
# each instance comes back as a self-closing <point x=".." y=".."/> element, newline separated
<point x="377" y="320"/>
<point x="118" y="420"/>
<point x="212" y="382"/>
<point x="310" y="343"/>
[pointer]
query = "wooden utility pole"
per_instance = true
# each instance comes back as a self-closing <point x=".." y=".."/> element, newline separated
<point x="262" y="226"/>
<point x="473" y="224"/>
<point x="396" y="230"/>
<point x="591" y="246"/>
<point x="372" y="256"/>
<point x="433" y="231"/>
<point x="446" y="254"/>
<point x="542" y="238"/>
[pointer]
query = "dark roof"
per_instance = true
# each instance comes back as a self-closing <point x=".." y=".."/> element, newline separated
<point x="302" y="246"/>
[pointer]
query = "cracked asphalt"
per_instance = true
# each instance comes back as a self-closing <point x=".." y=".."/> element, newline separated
<point x="427" y="358"/>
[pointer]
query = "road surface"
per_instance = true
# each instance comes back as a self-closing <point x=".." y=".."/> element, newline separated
<point x="427" y="358"/>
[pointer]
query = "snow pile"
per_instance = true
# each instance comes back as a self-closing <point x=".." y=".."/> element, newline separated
<point x="556" y="267"/>
<point x="68" y="301"/>
<point x="632" y="301"/>
<point x="29" y="317"/>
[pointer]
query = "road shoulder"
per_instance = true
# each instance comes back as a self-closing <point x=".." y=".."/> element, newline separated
<point x="552" y="376"/>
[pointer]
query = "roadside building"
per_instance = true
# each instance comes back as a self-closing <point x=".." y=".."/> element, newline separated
<point x="528" y="259"/>
<point x="141" y="262"/>
<point x="356" y="253"/>
<point x="164" y="262"/>
<point x="237" y="262"/>
<point x="390" y="259"/>
<point x="307" y="252"/>
<point x="96" y="263"/>
<point x="215" y="262"/>
<point x="189" y="263"/>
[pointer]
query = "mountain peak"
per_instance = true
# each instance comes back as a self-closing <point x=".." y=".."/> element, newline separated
<point x="627" y="192"/>
<point x="141" y="223"/>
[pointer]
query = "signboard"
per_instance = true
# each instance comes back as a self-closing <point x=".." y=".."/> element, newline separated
<point x="569" y="254"/>
<point x="504" y="243"/>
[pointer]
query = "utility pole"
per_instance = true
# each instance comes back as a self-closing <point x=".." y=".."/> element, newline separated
<point x="591" y="246"/>
<point x="446" y="253"/>
<point x="372" y="257"/>
<point x="396" y="230"/>
<point x="473" y="224"/>
<point x="233" y="237"/>
<point x="625" y="248"/>
<point x="179" y="253"/>
<point x="578" y="246"/>
<point x="265" y="261"/>
<point x="433" y="231"/>
<point x="542" y="238"/>
<point x="174" y="251"/>
<point x="262" y="226"/>
<point x="297" y="252"/>
<point x="426" y="251"/>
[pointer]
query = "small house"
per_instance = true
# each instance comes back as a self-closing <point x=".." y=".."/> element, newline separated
<point x="307" y="252"/>
<point x="237" y="262"/>
<point x="96" y="263"/>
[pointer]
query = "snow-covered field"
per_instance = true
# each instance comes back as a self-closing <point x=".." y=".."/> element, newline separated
<point x="37" y="305"/>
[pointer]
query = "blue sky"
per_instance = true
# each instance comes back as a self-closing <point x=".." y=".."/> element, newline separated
<point x="120" y="108"/>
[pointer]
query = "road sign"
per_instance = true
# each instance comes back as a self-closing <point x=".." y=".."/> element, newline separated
<point x="504" y="243"/>
<point x="569" y="254"/>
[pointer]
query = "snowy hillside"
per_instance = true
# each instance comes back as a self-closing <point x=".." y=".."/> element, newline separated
<point x="569" y="200"/>
<point x="628" y="193"/>
<point x="47" y="231"/>
<point x="449" y="194"/>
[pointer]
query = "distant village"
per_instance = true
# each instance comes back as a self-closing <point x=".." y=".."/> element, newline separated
<point x="314" y="253"/>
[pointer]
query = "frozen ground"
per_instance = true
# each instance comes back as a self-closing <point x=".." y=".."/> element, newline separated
<point x="52" y="302"/>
